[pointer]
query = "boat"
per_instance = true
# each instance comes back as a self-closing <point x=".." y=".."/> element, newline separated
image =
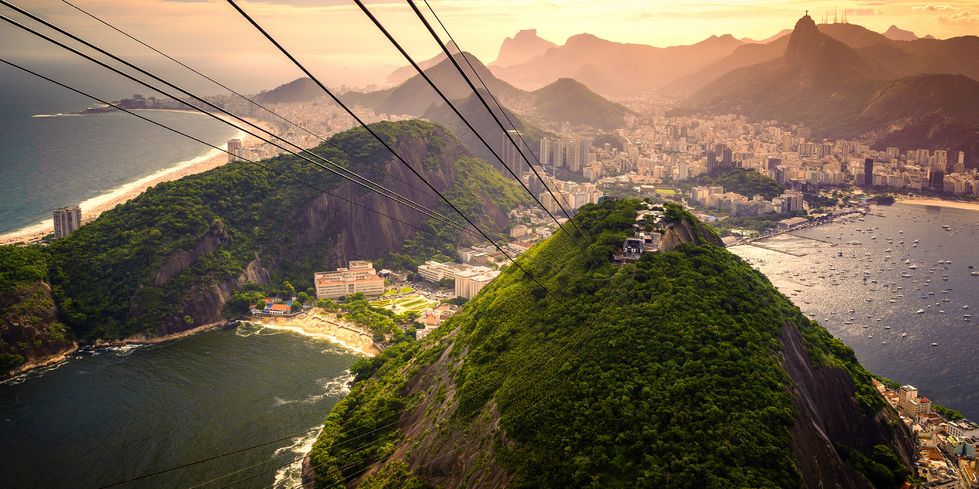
<point x="934" y="344"/>
<point x="919" y="311"/>
<point x="904" y="335"/>
<point x="975" y="273"/>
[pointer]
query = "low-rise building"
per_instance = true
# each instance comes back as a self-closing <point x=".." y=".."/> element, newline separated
<point x="434" y="271"/>
<point x="359" y="277"/>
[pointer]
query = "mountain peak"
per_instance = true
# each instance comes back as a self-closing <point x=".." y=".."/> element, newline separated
<point x="524" y="46"/>
<point x="895" y="33"/>
<point x="803" y="41"/>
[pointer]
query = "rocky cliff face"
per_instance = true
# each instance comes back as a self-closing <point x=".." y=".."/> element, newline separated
<point x="349" y="232"/>
<point x="30" y="332"/>
<point x="828" y="416"/>
<point x="687" y="232"/>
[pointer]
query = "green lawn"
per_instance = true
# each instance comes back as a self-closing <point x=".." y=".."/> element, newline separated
<point x="414" y="303"/>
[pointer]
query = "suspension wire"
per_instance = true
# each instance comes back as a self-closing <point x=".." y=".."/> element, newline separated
<point x="452" y="106"/>
<point x="177" y="131"/>
<point x="498" y="104"/>
<point x="209" y="104"/>
<point x="381" y="140"/>
<point x="406" y="202"/>
<point x="194" y="138"/>
<point x="212" y="80"/>
<point x="482" y="99"/>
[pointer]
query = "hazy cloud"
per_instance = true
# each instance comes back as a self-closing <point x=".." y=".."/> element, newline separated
<point x="934" y="8"/>
<point x="963" y="17"/>
<point x="862" y="11"/>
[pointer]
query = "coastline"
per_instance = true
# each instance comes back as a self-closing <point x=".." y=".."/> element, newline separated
<point x="328" y="327"/>
<point x="49" y="361"/>
<point x="951" y="204"/>
<point x="95" y="206"/>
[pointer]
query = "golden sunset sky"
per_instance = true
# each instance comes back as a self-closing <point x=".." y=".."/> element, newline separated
<point x="341" y="45"/>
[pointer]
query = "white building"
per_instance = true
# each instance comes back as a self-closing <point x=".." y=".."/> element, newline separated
<point x="359" y="277"/>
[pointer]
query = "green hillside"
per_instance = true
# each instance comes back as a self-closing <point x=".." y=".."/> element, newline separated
<point x="174" y="257"/>
<point x="667" y="372"/>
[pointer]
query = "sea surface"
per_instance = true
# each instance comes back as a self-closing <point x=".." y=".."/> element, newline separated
<point x="102" y="418"/>
<point x="50" y="158"/>
<point x="866" y="281"/>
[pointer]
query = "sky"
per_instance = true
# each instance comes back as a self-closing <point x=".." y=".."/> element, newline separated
<point x="341" y="46"/>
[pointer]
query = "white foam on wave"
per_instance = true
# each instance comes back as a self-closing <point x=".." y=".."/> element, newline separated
<point x="45" y="116"/>
<point x="246" y="329"/>
<point x="332" y="387"/>
<point x="290" y="476"/>
<point x="37" y="372"/>
<point x="124" y="350"/>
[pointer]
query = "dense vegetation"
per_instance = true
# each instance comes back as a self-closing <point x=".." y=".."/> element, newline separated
<point x="132" y="269"/>
<point x="743" y="181"/>
<point x="661" y="373"/>
<point x="29" y="327"/>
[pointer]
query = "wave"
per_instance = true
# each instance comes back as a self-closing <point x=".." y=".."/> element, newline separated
<point x="36" y="372"/>
<point x="290" y="476"/>
<point x="333" y="388"/>
<point x="59" y="114"/>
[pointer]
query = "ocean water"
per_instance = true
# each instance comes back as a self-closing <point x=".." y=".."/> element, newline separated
<point x="898" y="250"/>
<point x="98" y="419"/>
<point x="50" y="159"/>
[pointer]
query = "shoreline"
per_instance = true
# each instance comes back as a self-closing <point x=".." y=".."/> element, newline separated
<point x="327" y="327"/>
<point x="949" y="204"/>
<point x="100" y="344"/>
<point x="93" y="207"/>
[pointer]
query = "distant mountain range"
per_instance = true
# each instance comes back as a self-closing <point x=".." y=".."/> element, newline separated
<point x="564" y="100"/>
<point x="523" y="47"/>
<point x="615" y="69"/>
<point x="846" y="81"/>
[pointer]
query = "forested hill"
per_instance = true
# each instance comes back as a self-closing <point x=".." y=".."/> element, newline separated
<point x="174" y="257"/>
<point x="684" y="369"/>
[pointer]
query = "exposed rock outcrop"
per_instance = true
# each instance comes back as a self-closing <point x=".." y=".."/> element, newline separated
<point x="685" y="232"/>
<point x="827" y="415"/>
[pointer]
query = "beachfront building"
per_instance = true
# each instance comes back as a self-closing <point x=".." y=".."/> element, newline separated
<point x="359" y="277"/>
<point x="66" y="220"/>
<point x="469" y="282"/>
<point x="235" y="152"/>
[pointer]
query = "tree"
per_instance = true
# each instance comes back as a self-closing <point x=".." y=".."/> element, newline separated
<point x="288" y="289"/>
<point x="304" y="298"/>
<point x="327" y="304"/>
<point x="260" y="305"/>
